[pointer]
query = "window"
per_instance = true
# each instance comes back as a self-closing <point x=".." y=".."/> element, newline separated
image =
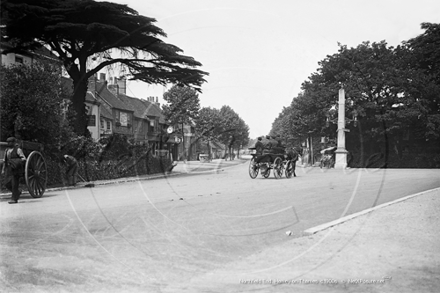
<point x="152" y="125"/>
<point x="18" y="59"/>
<point x="102" y="123"/>
<point x="108" y="125"/>
<point x="92" y="120"/>
<point x="123" y="118"/>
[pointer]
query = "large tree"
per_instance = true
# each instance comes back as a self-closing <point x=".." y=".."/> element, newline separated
<point x="425" y="55"/>
<point x="79" y="31"/>
<point x="394" y="91"/>
<point x="181" y="108"/>
<point x="235" y="131"/>
<point x="30" y="105"/>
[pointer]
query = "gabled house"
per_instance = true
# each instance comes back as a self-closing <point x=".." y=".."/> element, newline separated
<point x="117" y="116"/>
<point x="138" y="119"/>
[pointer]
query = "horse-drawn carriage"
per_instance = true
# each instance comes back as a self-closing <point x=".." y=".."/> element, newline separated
<point x="275" y="158"/>
<point x="35" y="169"/>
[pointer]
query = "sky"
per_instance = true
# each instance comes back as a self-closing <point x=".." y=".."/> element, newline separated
<point x="259" y="52"/>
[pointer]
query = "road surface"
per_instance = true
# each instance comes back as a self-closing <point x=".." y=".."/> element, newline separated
<point x="153" y="235"/>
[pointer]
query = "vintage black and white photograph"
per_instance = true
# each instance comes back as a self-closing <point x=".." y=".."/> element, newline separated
<point x="220" y="146"/>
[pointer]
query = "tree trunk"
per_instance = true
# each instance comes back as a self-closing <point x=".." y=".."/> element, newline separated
<point x="78" y="103"/>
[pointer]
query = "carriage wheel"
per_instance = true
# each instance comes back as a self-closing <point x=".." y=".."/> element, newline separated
<point x="253" y="169"/>
<point x="36" y="174"/>
<point x="278" y="168"/>
<point x="289" y="169"/>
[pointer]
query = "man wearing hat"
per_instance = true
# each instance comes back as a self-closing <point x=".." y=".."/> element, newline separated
<point x="72" y="169"/>
<point x="13" y="167"/>
<point x="259" y="146"/>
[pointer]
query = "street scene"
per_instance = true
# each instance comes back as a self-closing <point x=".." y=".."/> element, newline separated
<point x="214" y="229"/>
<point x="219" y="146"/>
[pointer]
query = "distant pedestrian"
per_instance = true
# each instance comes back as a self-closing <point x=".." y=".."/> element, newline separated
<point x="72" y="169"/>
<point x="13" y="168"/>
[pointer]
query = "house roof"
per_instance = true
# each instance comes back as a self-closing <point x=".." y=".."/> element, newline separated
<point x="106" y="113"/>
<point x="91" y="98"/>
<point x="104" y="93"/>
<point x="41" y="52"/>
<point x="154" y="110"/>
<point x="143" y="109"/>
<point x="139" y="109"/>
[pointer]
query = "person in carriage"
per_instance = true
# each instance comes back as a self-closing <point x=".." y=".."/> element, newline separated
<point x="265" y="148"/>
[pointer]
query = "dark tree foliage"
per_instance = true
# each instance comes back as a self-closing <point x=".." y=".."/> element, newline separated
<point x="30" y="105"/>
<point x="425" y="55"/>
<point x="235" y="131"/>
<point x="182" y="108"/>
<point x="209" y="123"/>
<point x="394" y="92"/>
<point x="80" y="31"/>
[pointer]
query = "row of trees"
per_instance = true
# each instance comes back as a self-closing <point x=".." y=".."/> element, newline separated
<point x="393" y="90"/>
<point x="224" y="125"/>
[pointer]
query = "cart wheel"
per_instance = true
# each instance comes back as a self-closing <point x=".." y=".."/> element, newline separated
<point x="278" y="168"/>
<point x="289" y="169"/>
<point x="253" y="169"/>
<point x="36" y="174"/>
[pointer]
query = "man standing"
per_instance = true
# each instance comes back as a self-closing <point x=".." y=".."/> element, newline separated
<point x="72" y="169"/>
<point x="13" y="168"/>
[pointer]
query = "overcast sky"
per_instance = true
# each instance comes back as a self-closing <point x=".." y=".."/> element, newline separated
<point x="259" y="52"/>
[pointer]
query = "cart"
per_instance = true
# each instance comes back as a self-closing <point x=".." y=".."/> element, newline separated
<point x="35" y="170"/>
<point x="278" y="162"/>
<point x="264" y="163"/>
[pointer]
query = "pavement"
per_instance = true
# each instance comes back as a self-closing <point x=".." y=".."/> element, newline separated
<point x="181" y="168"/>
<point x="394" y="247"/>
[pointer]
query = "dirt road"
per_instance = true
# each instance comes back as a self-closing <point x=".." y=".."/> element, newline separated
<point x="182" y="234"/>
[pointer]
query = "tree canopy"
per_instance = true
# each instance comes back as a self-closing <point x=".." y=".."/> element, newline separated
<point x="82" y="31"/>
<point x="393" y="91"/>
<point x="30" y="105"/>
<point x="182" y="106"/>
<point x="235" y="131"/>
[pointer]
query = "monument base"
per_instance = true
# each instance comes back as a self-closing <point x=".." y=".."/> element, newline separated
<point x="341" y="159"/>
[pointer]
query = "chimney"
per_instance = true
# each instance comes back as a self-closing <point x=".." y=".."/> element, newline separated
<point x="114" y="89"/>
<point x="92" y="83"/>
<point x="122" y="84"/>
